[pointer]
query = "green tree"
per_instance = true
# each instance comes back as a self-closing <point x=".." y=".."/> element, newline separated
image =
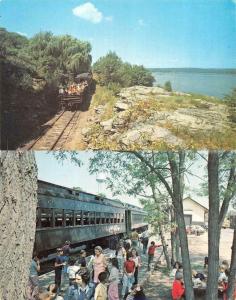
<point x="112" y="72"/>
<point x="167" y="86"/>
<point x="231" y="101"/>
<point x="129" y="172"/>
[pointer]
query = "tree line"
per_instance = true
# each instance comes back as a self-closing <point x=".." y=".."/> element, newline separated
<point x="112" y="72"/>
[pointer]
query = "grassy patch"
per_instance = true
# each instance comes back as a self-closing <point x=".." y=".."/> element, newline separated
<point x="204" y="139"/>
<point x="106" y="98"/>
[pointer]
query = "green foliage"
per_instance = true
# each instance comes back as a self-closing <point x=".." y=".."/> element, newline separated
<point x="231" y="101"/>
<point x="231" y="98"/>
<point x="112" y="72"/>
<point x="56" y="59"/>
<point x="167" y="86"/>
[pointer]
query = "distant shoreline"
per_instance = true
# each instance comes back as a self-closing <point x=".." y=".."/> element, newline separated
<point x="230" y="71"/>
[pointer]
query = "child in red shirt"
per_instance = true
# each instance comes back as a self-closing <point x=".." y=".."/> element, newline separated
<point x="178" y="287"/>
<point x="128" y="277"/>
<point x="151" y="251"/>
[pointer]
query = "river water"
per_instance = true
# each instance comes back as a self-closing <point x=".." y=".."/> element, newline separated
<point x="211" y="82"/>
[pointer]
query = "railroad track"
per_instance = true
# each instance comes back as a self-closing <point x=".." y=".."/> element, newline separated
<point x="57" y="134"/>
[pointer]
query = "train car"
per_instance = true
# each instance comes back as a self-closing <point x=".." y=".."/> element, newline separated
<point x="83" y="218"/>
<point x="73" y="95"/>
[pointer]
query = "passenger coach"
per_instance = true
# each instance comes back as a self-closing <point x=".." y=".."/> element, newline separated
<point x="80" y="217"/>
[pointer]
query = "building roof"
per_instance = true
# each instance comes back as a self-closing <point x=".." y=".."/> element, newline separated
<point x="203" y="206"/>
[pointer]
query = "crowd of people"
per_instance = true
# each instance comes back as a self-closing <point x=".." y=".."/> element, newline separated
<point x="100" y="278"/>
<point x="74" y="88"/>
<point x="199" y="279"/>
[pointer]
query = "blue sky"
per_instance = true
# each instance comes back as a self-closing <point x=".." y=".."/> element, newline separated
<point x="155" y="33"/>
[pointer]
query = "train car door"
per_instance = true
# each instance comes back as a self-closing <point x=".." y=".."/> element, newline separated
<point x="128" y="221"/>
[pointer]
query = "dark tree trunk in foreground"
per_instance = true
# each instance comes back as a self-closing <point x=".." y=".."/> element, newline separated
<point x="177" y="171"/>
<point x="163" y="241"/>
<point x="18" y="184"/>
<point x="232" y="280"/>
<point x="213" y="225"/>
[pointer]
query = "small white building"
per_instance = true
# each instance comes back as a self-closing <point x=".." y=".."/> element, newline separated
<point x="194" y="212"/>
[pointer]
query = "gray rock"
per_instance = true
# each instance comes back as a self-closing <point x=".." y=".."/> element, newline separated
<point x="99" y="109"/>
<point x="107" y="125"/>
<point x="121" y="106"/>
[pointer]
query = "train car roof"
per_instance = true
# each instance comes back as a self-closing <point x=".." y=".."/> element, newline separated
<point x="97" y="198"/>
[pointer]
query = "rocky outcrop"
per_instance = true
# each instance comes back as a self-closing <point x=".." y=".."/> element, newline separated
<point x="129" y="127"/>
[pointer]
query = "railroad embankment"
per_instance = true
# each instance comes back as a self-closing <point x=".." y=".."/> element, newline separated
<point x="151" y="118"/>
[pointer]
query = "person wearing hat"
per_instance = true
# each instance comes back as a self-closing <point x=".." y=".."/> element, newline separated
<point x="59" y="263"/>
<point x="178" y="289"/>
<point x="99" y="263"/>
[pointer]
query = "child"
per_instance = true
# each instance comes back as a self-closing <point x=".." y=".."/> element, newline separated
<point x="151" y="251"/>
<point x="71" y="270"/>
<point x="176" y="267"/>
<point x="178" y="287"/>
<point x="82" y="259"/>
<point x="120" y="254"/>
<point x="113" y="293"/>
<point x="128" y="278"/>
<point x="101" y="289"/>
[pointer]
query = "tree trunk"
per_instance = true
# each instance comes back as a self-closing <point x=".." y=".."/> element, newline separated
<point x="177" y="171"/>
<point x="232" y="280"/>
<point x="163" y="241"/>
<point x="18" y="184"/>
<point x="213" y="225"/>
<point x="172" y="237"/>
<point x="177" y="245"/>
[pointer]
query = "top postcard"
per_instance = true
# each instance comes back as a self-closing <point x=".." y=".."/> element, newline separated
<point x="118" y="74"/>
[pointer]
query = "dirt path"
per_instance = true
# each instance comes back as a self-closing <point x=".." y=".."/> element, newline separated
<point x="75" y="141"/>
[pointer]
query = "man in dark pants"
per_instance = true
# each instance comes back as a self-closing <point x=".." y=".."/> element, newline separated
<point x="59" y="263"/>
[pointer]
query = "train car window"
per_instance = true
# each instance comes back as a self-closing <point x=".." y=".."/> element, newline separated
<point x="98" y="218"/>
<point x="68" y="218"/>
<point x="122" y="218"/>
<point x="103" y="218"/>
<point x="92" y="218"/>
<point x="46" y="217"/>
<point x="107" y="218"/>
<point x="78" y="218"/>
<point x="86" y="218"/>
<point x="112" y="218"/>
<point x="58" y="217"/>
<point x="118" y="218"/>
<point x="115" y="218"/>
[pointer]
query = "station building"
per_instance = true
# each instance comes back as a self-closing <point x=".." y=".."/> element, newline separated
<point x="195" y="213"/>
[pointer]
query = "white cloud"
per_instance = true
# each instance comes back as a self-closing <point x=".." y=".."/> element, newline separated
<point x="89" y="12"/>
<point x="234" y="1"/>
<point x="21" y="33"/>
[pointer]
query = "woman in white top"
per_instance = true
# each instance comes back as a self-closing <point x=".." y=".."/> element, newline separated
<point x="113" y="279"/>
<point x="137" y="259"/>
